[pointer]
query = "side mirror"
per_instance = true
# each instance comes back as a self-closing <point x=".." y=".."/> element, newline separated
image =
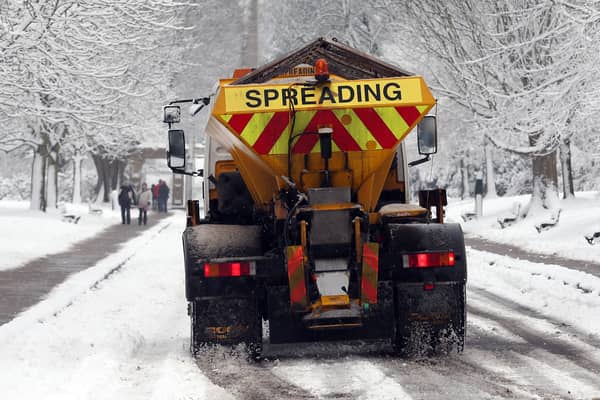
<point x="427" y="135"/>
<point x="176" y="153"/>
<point x="171" y="114"/>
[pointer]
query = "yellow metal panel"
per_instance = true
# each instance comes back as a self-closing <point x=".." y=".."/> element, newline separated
<point x="258" y="174"/>
<point x="255" y="127"/>
<point x="371" y="186"/>
<point x="335" y="300"/>
<point x="393" y="120"/>
<point x="402" y="210"/>
<point x="260" y="182"/>
<point x="345" y="94"/>
<point x="365" y="169"/>
<point x="360" y="133"/>
<point x="300" y="122"/>
<point x="424" y="109"/>
<point x="374" y="218"/>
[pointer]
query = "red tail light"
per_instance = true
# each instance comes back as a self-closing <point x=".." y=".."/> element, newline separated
<point x="428" y="260"/>
<point x="229" y="269"/>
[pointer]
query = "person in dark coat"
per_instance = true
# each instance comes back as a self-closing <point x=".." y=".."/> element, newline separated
<point x="154" y="190"/>
<point x="126" y="199"/>
<point x="163" y="196"/>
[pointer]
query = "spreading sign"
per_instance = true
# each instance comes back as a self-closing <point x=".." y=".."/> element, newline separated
<point x="342" y="94"/>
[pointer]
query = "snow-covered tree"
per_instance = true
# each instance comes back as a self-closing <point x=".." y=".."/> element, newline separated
<point x="288" y="25"/>
<point x="67" y="63"/>
<point x="517" y="66"/>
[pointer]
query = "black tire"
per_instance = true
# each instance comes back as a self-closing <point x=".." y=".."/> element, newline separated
<point x="457" y="329"/>
<point x="225" y="322"/>
<point x="413" y="339"/>
<point x="284" y="326"/>
<point x="427" y="321"/>
<point x="418" y="338"/>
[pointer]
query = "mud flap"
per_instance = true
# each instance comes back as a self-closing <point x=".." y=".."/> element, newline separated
<point x="226" y="321"/>
<point x="429" y="321"/>
<point x="284" y="326"/>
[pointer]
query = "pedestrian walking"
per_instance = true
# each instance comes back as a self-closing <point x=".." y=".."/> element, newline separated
<point x="163" y="196"/>
<point x="154" y="190"/>
<point x="157" y="194"/>
<point x="144" y="202"/>
<point x="126" y="199"/>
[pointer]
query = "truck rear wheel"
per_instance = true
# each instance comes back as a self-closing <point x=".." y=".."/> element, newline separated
<point x="225" y="321"/>
<point x="428" y="325"/>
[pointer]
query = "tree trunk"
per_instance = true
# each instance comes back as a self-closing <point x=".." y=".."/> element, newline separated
<point x="52" y="179"/>
<point x="118" y="173"/>
<point x="103" y="182"/>
<point x="38" y="184"/>
<point x="107" y="180"/>
<point x="566" y="169"/>
<point x="52" y="184"/>
<point x="98" y="164"/>
<point x="489" y="171"/>
<point x="464" y="174"/>
<point x="545" y="182"/>
<point x="110" y="175"/>
<point x="77" y="159"/>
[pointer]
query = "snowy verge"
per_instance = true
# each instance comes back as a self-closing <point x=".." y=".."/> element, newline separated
<point x="116" y="330"/>
<point x="63" y="296"/>
<point x="561" y="295"/>
<point x="579" y="216"/>
<point x="27" y="234"/>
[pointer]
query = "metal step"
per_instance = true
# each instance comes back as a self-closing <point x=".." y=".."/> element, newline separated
<point x="334" y="319"/>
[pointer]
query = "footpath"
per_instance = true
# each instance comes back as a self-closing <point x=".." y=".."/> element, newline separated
<point x="517" y="252"/>
<point x="21" y="288"/>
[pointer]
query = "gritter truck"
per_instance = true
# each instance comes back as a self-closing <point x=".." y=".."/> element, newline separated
<point x="307" y="222"/>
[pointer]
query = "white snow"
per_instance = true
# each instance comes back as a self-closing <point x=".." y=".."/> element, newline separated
<point x="353" y="379"/>
<point x="569" y="296"/>
<point x="27" y="234"/>
<point x="120" y="330"/>
<point x="579" y="216"/>
<point x="118" y="337"/>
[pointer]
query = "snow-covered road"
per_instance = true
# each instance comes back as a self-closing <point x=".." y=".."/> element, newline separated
<point x="104" y="334"/>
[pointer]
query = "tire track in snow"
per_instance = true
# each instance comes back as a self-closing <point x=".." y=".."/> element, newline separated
<point x="561" y="326"/>
<point x="572" y="366"/>
<point x="244" y="378"/>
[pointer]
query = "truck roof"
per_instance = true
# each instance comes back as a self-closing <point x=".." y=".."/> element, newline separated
<point x="343" y="61"/>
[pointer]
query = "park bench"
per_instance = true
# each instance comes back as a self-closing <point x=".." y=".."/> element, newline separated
<point x="510" y="219"/>
<point x="72" y="218"/>
<point x="94" y="210"/>
<point x="591" y="238"/>
<point x="468" y="216"/>
<point x="544" y="226"/>
<point x="67" y="216"/>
